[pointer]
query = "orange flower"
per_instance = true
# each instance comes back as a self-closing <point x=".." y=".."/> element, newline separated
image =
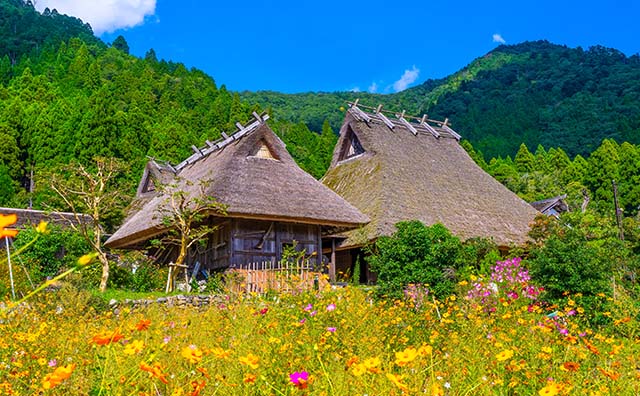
<point x="143" y="324"/>
<point x="609" y="374"/>
<point x="154" y="371"/>
<point x="60" y="374"/>
<point x="107" y="338"/>
<point x="570" y="366"/>
<point x="590" y="347"/>
<point x="204" y="372"/>
<point x="249" y="378"/>
<point x="198" y="386"/>
<point x="7" y="220"/>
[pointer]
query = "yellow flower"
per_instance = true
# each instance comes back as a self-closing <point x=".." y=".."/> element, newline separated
<point x="42" y="227"/>
<point x="372" y="364"/>
<point x="250" y="360"/>
<point x="397" y="380"/>
<point x="86" y="259"/>
<point x="133" y="347"/>
<point x="436" y="389"/>
<point x="550" y="390"/>
<point x="504" y="355"/>
<point x="407" y="356"/>
<point x="220" y="353"/>
<point x="359" y="369"/>
<point x="192" y="354"/>
<point x="425" y="350"/>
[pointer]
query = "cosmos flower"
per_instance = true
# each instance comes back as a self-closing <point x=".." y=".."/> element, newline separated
<point x="299" y="379"/>
<point x="60" y="374"/>
<point x="143" y="324"/>
<point x="250" y="360"/>
<point x="192" y="354"/>
<point x="5" y="221"/>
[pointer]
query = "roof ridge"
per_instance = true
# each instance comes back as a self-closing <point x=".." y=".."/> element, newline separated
<point x="436" y="128"/>
<point x="243" y="130"/>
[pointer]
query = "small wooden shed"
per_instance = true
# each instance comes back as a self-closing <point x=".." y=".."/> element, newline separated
<point x="271" y="203"/>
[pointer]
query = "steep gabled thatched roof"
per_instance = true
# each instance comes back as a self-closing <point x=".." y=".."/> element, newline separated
<point x="394" y="170"/>
<point x="253" y="174"/>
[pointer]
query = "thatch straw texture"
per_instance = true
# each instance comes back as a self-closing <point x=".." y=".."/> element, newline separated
<point x="241" y="176"/>
<point x="402" y="176"/>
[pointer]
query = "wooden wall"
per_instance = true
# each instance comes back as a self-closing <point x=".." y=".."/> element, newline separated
<point x="238" y="242"/>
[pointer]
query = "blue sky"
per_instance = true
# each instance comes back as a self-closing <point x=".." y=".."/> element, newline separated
<point x="381" y="46"/>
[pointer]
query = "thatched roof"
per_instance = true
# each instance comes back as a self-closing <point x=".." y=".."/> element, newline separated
<point x="419" y="172"/>
<point x="253" y="174"/>
<point x="552" y="206"/>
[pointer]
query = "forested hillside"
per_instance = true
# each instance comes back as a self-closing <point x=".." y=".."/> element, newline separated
<point x="73" y="99"/>
<point x="534" y="92"/>
<point x="66" y="96"/>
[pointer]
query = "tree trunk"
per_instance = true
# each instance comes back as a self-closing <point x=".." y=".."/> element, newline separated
<point x="105" y="272"/>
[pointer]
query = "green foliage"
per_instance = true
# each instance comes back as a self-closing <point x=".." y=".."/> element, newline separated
<point x="416" y="254"/>
<point x="581" y="254"/>
<point x="52" y="252"/>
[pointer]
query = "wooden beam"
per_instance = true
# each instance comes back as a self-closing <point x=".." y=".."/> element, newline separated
<point x="430" y="129"/>
<point x="407" y="124"/>
<point x="384" y="119"/>
<point x="359" y="114"/>
<point x="257" y="116"/>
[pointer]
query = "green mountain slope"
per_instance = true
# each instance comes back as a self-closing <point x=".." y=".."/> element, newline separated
<point x="534" y="92"/>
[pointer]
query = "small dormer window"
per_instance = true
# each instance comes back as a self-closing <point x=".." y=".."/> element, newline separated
<point x="351" y="146"/>
<point x="264" y="151"/>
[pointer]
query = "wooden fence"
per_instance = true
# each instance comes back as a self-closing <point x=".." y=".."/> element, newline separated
<point x="285" y="276"/>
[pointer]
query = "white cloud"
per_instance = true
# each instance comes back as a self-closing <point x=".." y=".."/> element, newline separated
<point x="497" y="38"/>
<point x="373" y="87"/>
<point x="103" y="15"/>
<point x="407" y="78"/>
<point x="355" y="89"/>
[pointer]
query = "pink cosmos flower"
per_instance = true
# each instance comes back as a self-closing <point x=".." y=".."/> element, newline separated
<point x="331" y="307"/>
<point x="299" y="379"/>
<point x="331" y="329"/>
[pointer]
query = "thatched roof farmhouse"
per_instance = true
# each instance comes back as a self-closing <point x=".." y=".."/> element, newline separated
<point x="394" y="168"/>
<point x="271" y="202"/>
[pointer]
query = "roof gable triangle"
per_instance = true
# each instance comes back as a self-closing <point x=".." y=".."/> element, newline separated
<point x="264" y="151"/>
<point x="351" y="146"/>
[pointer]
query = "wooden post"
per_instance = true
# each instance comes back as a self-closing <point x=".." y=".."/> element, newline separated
<point x="332" y="263"/>
<point x="618" y="210"/>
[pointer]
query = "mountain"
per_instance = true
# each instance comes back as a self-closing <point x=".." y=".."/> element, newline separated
<point x="533" y="93"/>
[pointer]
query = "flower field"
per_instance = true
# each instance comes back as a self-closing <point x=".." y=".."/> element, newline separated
<point x="489" y="340"/>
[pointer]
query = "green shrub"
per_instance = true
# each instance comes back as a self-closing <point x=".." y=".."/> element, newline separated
<point x="51" y="252"/>
<point x="416" y="254"/>
<point x="582" y="254"/>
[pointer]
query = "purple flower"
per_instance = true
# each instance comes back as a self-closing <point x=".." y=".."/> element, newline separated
<point x="331" y="307"/>
<point x="331" y="329"/>
<point x="313" y="313"/>
<point x="53" y="362"/>
<point x="308" y="308"/>
<point x="299" y="379"/>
